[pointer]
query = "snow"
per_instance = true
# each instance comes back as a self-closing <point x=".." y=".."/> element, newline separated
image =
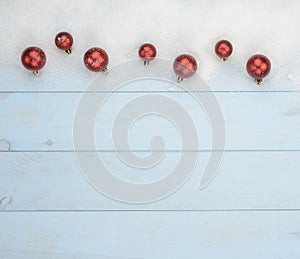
<point x="270" y="27"/>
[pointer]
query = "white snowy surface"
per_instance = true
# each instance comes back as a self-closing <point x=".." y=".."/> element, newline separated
<point x="251" y="209"/>
<point x="270" y="27"/>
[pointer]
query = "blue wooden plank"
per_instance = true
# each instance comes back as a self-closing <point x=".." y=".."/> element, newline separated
<point x="253" y="121"/>
<point x="246" y="180"/>
<point x="247" y="234"/>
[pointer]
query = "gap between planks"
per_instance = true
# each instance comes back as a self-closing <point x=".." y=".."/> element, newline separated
<point x="154" y="210"/>
<point x="157" y="91"/>
<point x="156" y="151"/>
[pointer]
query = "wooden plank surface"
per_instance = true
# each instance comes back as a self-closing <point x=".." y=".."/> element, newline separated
<point x="267" y="234"/>
<point x="251" y="208"/>
<point x="246" y="180"/>
<point x="259" y="120"/>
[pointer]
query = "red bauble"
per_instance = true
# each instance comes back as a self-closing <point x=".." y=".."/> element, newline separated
<point x="64" y="41"/>
<point x="33" y="58"/>
<point x="96" y="59"/>
<point x="184" y="66"/>
<point x="147" y="52"/>
<point x="258" y="66"/>
<point x="223" y="49"/>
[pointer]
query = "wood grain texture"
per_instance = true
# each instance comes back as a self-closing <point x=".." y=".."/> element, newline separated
<point x="246" y="180"/>
<point x="250" y="210"/>
<point x="150" y="235"/>
<point x="32" y="121"/>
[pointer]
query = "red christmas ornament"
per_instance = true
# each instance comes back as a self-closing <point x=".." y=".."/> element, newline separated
<point x="33" y="58"/>
<point x="184" y="66"/>
<point x="64" y="41"/>
<point x="258" y="66"/>
<point x="147" y="52"/>
<point x="96" y="60"/>
<point x="223" y="49"/>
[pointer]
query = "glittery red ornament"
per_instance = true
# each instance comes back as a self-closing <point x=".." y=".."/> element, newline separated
<point x="258" y="66"/>
<point x="64" y="41"/>
<point x="147" y="52"/>
<point x="96" y="60"/>
<point x="223" y="49"/>
<point x="184" y="66"/>
<point x="33" y="58"/>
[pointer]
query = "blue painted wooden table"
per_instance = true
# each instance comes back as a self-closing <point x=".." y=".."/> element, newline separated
<point x="251" y="209"/>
